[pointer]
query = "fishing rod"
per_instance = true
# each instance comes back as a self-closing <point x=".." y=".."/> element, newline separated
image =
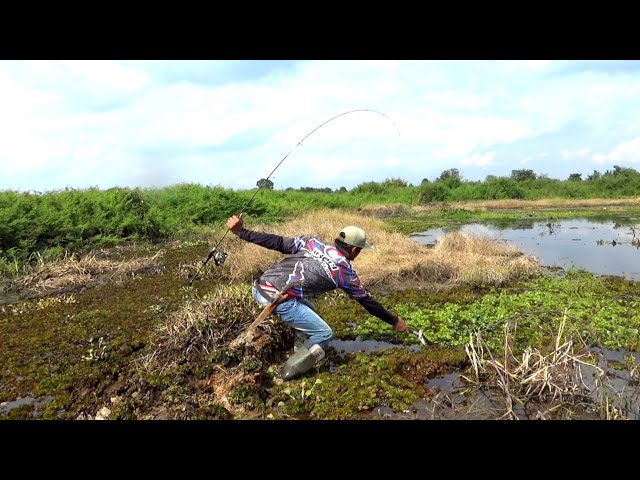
<point x="219" y="256"/>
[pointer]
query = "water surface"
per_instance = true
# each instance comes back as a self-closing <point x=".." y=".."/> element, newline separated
<point x="606" y="247"/>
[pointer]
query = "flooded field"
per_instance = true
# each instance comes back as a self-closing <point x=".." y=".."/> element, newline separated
<point x="125" y="337"/>
<point x="606" y="247"/>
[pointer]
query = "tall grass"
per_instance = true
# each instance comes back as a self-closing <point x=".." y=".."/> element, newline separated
<point x="460" y="259"/>
<point x="71" y="220"/>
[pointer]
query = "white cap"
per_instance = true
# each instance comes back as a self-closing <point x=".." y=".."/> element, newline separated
<point x="354" y="236"/>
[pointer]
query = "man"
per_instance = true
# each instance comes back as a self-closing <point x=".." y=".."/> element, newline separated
<point x="320" y="267"/>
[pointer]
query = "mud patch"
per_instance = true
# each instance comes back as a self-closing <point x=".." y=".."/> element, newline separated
<point x="451" y="398"/>
<point x="619" y="386"/>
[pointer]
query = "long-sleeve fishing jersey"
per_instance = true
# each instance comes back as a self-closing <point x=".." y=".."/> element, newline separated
<point x="319" y="266"/>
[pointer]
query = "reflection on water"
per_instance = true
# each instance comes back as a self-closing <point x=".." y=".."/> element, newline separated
<point x="605" y="247"/>
<point x="359" y="345"/>
<point x="6" y="407"/>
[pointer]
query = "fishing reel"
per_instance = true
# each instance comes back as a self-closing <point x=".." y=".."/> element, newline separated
<point x="219" y="256"/>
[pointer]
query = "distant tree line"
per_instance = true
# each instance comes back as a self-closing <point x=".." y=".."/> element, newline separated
<point x="521" y="184"/>
<point x="526" y="184"/>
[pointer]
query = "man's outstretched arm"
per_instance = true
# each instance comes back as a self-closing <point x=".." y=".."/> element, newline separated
<point x="266" y="240"/>
<point x="376" y="309"/>
<point x="352" y="285"/>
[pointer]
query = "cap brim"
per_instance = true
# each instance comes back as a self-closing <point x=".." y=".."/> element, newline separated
<point x="367" y="245"/>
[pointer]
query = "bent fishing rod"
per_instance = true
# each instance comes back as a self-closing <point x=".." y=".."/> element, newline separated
<point x="218" y="255"/>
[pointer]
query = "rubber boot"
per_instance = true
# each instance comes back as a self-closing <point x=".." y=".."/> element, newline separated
<point x="301" y="361"/>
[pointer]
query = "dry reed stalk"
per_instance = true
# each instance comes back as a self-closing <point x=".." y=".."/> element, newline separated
<point x="211" y="319"/>
<point x="556" y="376"/>
<point x="201" y="325"/>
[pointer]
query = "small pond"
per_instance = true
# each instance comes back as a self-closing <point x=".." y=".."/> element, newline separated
<point x="602" y="247"/>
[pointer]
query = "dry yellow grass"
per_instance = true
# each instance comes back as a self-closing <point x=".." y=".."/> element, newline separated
<point x="74" y="271"/>
<point x="386" y="210"/>
<point x="510" y="204"/>
<point x="396" y="260"/>
<point x="210" y="320"/>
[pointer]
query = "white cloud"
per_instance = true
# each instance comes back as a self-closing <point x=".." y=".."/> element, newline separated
<point x="628" y="152"/>
<point x="537" y="65"/>
<point x="381" y="64"/>
<point x="479" y="159"/>
<point x="88" y="118"/>
<point x="457" y="99"/>
<point x="523" y="67"/>
<point x="107" y="74"/>
<point x="569" y="154"/>
<point x="460" y="135"/>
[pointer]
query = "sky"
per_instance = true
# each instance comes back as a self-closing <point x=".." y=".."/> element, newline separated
<point x="104" y="123"/>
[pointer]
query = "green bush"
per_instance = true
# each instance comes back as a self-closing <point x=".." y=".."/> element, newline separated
<point x="71" y="219"/>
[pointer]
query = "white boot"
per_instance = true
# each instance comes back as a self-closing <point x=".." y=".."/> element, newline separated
<point x="301" y="361"/>
<point x="317" y="352"/>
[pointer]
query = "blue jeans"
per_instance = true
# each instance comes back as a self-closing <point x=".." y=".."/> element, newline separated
<point x="300" y="317"/>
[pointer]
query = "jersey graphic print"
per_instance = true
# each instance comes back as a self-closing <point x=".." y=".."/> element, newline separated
<point x="335" y="265"/>
<point x="319" y="266"/>
<point x="296" y="275"/>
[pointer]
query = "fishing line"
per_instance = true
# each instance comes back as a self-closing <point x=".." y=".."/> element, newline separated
<point x="220" y="256"/>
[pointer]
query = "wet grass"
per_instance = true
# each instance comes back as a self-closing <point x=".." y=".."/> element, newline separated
<point x="73" y="346"/>
<point x="360" y="382"/>
<point x="596" y="310"/>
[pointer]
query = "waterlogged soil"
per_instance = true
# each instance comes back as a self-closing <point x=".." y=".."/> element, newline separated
<point x="99" y="351"/>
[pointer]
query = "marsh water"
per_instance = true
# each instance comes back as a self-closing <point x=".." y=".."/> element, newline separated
<point x="606" y="246"/>
<point x="602" y="247"/>
<point x="454" y="400"/>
